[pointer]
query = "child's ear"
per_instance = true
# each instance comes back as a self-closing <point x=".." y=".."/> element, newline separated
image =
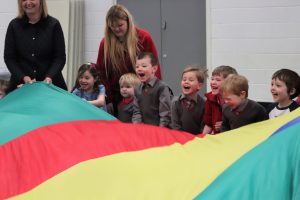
<point x="243" y="94"/>
<point x="155" y="68"/>
<point x="292" y="91"/>
<point x="200" y="85"/>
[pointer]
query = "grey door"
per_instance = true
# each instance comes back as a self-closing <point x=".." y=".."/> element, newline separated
<point x="179" y="31"/>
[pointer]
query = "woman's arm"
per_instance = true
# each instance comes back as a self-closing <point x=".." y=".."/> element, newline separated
<point x="59" y="51"/>
<point x="10" y="54"/>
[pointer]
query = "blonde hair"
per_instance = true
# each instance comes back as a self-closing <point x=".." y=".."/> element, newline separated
<point x="43" y="9"/>
<point x="224" y="70"/>
<point x="129" y="79"/>
<point x="113" y="48"/>
<point x="235" y="84"/>
<point x="201" y="72"/>
<point x="4" y="85"/>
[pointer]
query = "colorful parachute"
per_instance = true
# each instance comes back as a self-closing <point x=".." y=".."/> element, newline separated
<point x="56" y="146"/>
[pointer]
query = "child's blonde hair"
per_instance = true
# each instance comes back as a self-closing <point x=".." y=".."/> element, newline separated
<point x="224" y="70"/>
<point x="129" y="79"/>
<point x="201" y="72"/>
<point x="4" y="85"/>
<point x="235" y="84"/>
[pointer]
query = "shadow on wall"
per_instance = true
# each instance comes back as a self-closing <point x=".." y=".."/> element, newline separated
<point x="4" y="75"/>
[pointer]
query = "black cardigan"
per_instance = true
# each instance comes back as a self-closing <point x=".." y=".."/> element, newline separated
<point x="35" y="50"/>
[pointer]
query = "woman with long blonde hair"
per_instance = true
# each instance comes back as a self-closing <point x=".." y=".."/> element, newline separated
<point x="118" y="50"/>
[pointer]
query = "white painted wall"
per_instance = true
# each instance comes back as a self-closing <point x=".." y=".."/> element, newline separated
<point x="60" y="10"/>
<point x="8" y="11"/>
<point x="257" y="37"/>
<point x="95" y="12"/>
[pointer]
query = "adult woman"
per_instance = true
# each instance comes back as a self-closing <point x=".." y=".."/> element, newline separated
<point x="119" y="48"/>
<point x="34" y="46"/>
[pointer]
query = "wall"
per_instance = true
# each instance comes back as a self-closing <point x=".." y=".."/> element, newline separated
<point x="95" y="12"/>
<point x="8" y="10"/>
<point x="60" y="10"/>
<point x="257" y="37"/>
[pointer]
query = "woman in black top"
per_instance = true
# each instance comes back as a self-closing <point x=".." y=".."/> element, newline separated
<point x="34" y="46"/>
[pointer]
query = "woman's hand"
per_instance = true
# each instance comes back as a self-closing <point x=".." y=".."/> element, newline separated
<point x="48" y="80"/>
<point x="27" y="79"/>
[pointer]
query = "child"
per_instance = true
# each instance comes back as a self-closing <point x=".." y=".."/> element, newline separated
<point x="88" y="86"/>
<point x="127" y="82"/>
<point x="187" y="111"/>
<point x="285" y="87"/>
<point x="152" y="101"/>
<point x="238" y="110"/>
<point x="214" y="102"/>
<point x="4" y="86"/>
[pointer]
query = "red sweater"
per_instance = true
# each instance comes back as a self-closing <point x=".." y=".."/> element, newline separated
<point x="212" y="111"/>
<point x="298" y="100"/>
<point x="111" y="82"/>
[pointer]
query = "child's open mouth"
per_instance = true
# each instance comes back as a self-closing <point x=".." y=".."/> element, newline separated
<point x="275" y="94"/>
<point x="141" y="75"/>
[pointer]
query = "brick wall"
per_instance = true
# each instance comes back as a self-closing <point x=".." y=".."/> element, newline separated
<point x="257" y="37"/>
<point x="8" y="10"/>
<point x="95" y="12"/>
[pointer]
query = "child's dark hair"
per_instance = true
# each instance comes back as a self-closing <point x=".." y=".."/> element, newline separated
<point x="150" y="55"/>
<point x="224" y="70"/>
<point x="290" y="78"/>
<point x="91" y="67"/>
